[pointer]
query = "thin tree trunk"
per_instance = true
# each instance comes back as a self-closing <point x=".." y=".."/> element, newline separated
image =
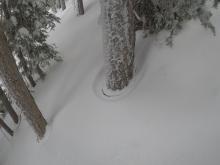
<point x="26" y="70"/>
<point x="63" y="4"/>
<point x="40" y="72"/>
<point x="31" y="80"/>
<point x="1" y="16"/>
<point x="58" y="4"/>
<point x="17" y="89"/>
<point x="8" y="106"/>
<point x="5" y="9"/>
<point x="79" y="7"/>
<point x="119" y="42"/>
<point x="6" y="127"/>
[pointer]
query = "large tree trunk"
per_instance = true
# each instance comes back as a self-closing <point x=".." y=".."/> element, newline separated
<point x="17" y="89"/>
<point x="79" y="7"/>
<point x="119" y="42"/>
<point x="8" y="106"/>
<point x="63" y="4"/>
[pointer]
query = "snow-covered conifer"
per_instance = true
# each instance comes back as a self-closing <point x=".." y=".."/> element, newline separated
<point x="17" y="89"/>
<point x="27" y="26"/>
<point x="154" y="16"/>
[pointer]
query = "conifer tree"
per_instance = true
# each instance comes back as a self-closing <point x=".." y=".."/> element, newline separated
<point x="27" y="23"/>
<point x="152" y="16"/>
<point x="17" y="89"/>
<point x="6" y="127"/>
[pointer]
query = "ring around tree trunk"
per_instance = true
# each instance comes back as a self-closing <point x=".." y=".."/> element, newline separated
<point x="17" y="89"/>
<point x="119" y="42"/>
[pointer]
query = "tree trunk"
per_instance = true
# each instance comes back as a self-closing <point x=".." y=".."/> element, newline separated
<point x="63" y="4"/>
<point x="18" y="90"/>
<point x="31" y="80"/>
<point x="79" y="7"/>
<point x="40" y="72"/>
<point x="5" y="9"/>
<point x="8" y="106"/>
<point x="26" y="69"/>
<point x="6" y="127"/>
<point x="58" y="4"/>
<point x="119" y="42"/>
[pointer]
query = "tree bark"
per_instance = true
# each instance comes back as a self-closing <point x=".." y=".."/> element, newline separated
<point x="8" y="106"/>
<point x="119" y="42"/>
<point x="63" y="4"/>
<point x="79" y="7"/>
<point x="17" y="89"/>
<point x="6" y="127"/>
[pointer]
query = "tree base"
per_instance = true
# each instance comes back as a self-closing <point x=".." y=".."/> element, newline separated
<point x="103" y="92"/>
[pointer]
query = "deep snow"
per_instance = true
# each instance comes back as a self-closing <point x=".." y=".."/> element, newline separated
<point x="170" y="117"/>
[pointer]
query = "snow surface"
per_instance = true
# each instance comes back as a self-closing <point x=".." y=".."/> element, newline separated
<point x="171" y="117"/>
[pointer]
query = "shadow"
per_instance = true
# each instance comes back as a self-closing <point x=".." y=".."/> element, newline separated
<point x="67" y="94"/>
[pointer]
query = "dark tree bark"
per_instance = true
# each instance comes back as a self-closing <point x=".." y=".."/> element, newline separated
<point x="40" y="72"/>
<point x="17" y="89"/>
<point x="119" y="42"/>
<point x="63" y="4"/>
<point x="8" y="106"/>
<point x="31" y="80"/>
<point x="6" y="127"/>
<point x="80" y="7"/>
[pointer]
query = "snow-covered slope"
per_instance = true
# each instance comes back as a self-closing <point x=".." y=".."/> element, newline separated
<point x="171" y="117"/>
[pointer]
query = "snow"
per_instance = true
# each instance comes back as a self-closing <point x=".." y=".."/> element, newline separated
<point x="23" y="31"/>
<point x="14" y="20"/>
<point x="170" y="117"/>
